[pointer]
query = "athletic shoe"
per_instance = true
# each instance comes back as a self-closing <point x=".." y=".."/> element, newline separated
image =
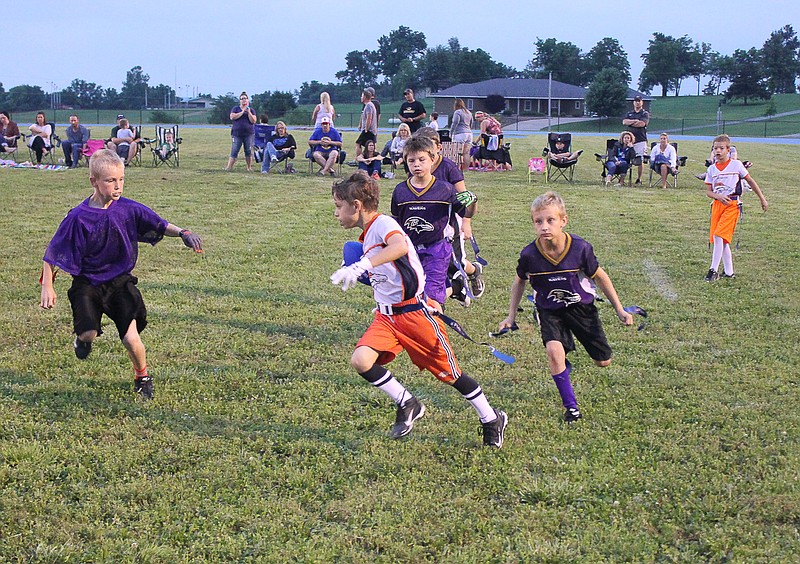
<point x="572" y="414"/>
<point x="144" y="387"/>
<point x="728" y="275"/>
<point x="494" y="431"/>
<point x="376" y="176"/>
<point x="712" y="275"/>
<point x="412" y="410"/>
<point x="476" y="283"/>
<point x="459" y="291"/>
<point x="82" y="349"/>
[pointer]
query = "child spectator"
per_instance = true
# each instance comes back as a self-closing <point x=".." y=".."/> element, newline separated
<point x="563" y="270"/>
<point x="403" y="318"/>
<point x="123" y="139"/>
<point x="724" y="186"/>
<point x="423" y="205"/>
<point x="97" y="243"/>
<point x="434" y="123"/>
<point x="168" y="146"/>
<point x="369" y="160"/>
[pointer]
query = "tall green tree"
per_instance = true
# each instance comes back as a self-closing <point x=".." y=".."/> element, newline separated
<point x="160" y="95"/>
<point x="781" y="62"/>
<point x="561" y="58"/>
<point x="25" y="98"/>
<point x="82" y="94"/>
<point x="111" y="99"/>
<point x="134" y="89"/>
<point x="667" y="61"/>
<point x="718" y="68"/>
<point x="749" y="80"/>
<point x="221" y="111"/>
<point x="2" y="96"/>
<point x="361" y="68"/>
<point x="607" y="93"/>
<point x="607" y="54"/>
<point x="402" y="44"/>
<point x="273" y="103"/>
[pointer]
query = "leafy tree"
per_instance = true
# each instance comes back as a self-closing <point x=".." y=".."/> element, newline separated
<point x="2" y="96"/>
<point x="607" y="93"/>
<point x="82" y="94"/>
<point x="160" y="95"/>
<point x="563" y="59"/>
<point x="405" y="77"/>
<point x="221" y="112"/>
<point x="718" y="68"/>
<point x="781" y="62"/>
<point x="666" y="63"/>
<point x="607" y="54"/>
<point x="495" y="103"/>
<point x="273" y="103"/>
<point x="444" y="66"/>
<point x="402" y="44"/>
<point x="697" y="62"/>
<point x="25" y="98"/>
<point x="134" y="89"/>
<point x="361" y="68"/>
<point x="749" y="78"/>
<point x="111" y="98"/>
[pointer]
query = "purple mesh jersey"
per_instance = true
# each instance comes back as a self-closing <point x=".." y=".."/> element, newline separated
<point x="560" y="283"/>
<point x="101" y="244"/>
<point x="424" y="214"/>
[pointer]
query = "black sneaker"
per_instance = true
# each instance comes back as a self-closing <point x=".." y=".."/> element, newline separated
<point x="476" y="283"/>
<point x="712" y="275"/>
<point x="82" y="348"/>
<point x="412" y="410"/>
<point x="728" y="275"/>
<point x="144" y="387"/>
<point x="459" y="291"/>
<point x="572" y="414"/>
<point x="494" y="431"/>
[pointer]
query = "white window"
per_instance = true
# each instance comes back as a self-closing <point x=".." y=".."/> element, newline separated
<point x="528" y="105"/>
<point x="577" y="104"/>
<point x="469" y="104"/>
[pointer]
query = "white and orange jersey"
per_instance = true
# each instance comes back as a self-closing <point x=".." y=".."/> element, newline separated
<point x="725" y="178"/>
<point x="395" y="281"/>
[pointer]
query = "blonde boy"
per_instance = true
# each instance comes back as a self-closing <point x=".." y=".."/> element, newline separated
<point x="404" y="318"/>
<point x="563" y="271"/>
<point x="97" y="243"/>
<point x="724" y="186"/>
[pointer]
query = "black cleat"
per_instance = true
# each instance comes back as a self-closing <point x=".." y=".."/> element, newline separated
<point x="572" y="414"/>
<point x="82" y="348"/>
<point x="724" y="275"/>
<point x="494" y="431"/>
<point x="476" y="283"/>
<point x="144" y="387"/>
<point x="712" y="275"/>
<point x="409" y="412"/>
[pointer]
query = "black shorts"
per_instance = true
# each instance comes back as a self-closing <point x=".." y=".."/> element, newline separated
<point x="364" y="137"/>
<point x="119" y="299"/>
<point x="580" y="320"/>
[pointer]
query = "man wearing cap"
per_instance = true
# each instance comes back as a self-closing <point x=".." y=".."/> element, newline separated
<point x="412" y="112"/>
<point x="325" y="145"/>
<point x="112" y="143"/>
<point x="636" y="122"/>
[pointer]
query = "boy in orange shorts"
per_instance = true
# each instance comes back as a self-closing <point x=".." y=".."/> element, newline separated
<point x="404" y="317"/>
<point x="724" y="186"/>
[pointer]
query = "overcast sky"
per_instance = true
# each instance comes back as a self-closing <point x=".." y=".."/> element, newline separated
<point x="213" y="46"/>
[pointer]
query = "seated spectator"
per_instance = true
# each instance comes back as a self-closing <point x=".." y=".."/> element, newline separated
<point x="561" y="155"/>
<point x="434" y="123"/>
<point x="491" y="143"/>
<point x="75" y="142"/>
<point x="370" y="160"/>
<point x="325" y="145"/>
<point x="620" y="157"/>
<point x="385" y="153"/>
<point x="168" y="146"/>
<point x="131" y="143"/>
<point x="280" y="147"/>
<point x="39" y="140"/>
<point x="398" y="143"/>
<point x="9" y="132"/>
<point x="664" y="159"/>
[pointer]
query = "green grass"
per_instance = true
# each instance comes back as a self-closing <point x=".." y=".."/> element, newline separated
<point x="264" y="445"/>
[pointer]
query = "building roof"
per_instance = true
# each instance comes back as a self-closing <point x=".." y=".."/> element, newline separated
<point x="523" y="88"/>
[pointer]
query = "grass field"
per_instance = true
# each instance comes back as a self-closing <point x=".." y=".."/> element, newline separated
<point x="263" y="445"/>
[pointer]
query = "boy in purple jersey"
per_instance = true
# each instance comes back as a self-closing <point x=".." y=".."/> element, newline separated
<point x="563" y="270"/>
<point x="97" y="243"/>
<point x="422" y="205"/>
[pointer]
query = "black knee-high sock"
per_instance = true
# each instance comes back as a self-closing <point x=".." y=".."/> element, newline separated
<point x="382" y="379"/>
<point x="472" y="392"/>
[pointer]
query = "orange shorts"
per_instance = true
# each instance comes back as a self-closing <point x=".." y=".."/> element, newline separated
<point x="723" y="220"/>
<point x="421" y="334"/>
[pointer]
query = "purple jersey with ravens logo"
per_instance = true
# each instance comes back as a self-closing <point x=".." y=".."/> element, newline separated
<point x="562" y="282"/>
<point x="424" y="214"/>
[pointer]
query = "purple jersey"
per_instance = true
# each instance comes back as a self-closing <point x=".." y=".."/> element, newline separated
<point x="563" y="282"/>
<point x="101" y="244"/>
<point x="448" y="171"/>
<point x="424" y="214"/>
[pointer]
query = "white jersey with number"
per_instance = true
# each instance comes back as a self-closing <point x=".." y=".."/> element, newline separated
<point x="395" y="281"/>
<point x="725" y="178"/>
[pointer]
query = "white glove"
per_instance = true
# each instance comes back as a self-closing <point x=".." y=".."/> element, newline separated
<point x="347" y="276"/>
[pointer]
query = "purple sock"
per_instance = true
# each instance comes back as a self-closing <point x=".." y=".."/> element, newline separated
<point x="565" y="387"/>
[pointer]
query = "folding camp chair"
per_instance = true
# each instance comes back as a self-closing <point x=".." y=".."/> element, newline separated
<point x="92" y="146"/>
<point x="55" y="142"/>
<point x="679" y="162"/>
<point x="603" y="159"/>
<point x="560" y="168"/>
<point x="339" y="161"/>
<point x="170" y="157"/>
<point x="453" y="151"/>
<point x="536" y="166"/>
<point x="262" y="134"/>
<point x="9" y="152"/>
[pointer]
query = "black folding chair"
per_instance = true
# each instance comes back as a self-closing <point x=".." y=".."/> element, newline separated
<point x="557" y="168"/>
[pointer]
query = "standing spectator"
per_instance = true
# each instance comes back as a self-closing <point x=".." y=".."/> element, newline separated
<point x="242" y="132"/>
<point x="9" y="132"/>
<point x="325" y="145"/>
<point x="412" y="112"/>
<point x="434" y="123"/>
<point x="368" y="124"/>
<point x="39" y="141"/>
<point x="75" y="143"/>
<point x="323" y="110"/>
<point x="461" y="130"/>
<point x="637" y="121"/>
<point x="377" y="107"/>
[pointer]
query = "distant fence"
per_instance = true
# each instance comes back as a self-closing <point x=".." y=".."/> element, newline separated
<point x="180" y="116"/>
